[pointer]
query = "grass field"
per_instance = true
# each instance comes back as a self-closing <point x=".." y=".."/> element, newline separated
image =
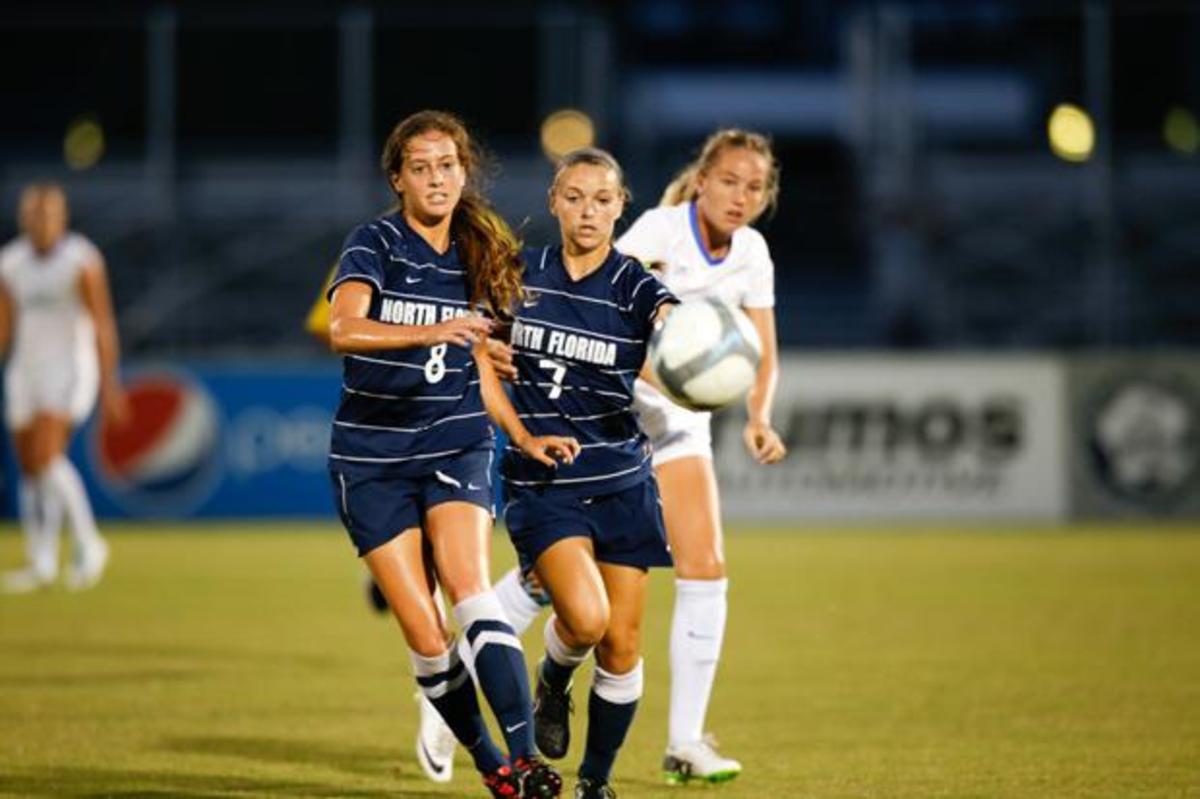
<point x="241" y="661"/>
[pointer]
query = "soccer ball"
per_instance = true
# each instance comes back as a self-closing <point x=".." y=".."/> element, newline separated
<point x="705" y="355"/>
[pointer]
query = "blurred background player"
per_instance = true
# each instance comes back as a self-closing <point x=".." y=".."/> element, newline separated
<point x="411" y="447"/>
<point x="590" y="529"/>
<point x="701" y="241"/>
<point x="56" y="322"/>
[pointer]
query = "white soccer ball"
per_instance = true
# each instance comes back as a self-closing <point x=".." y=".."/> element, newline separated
<point x="706" y="354"/>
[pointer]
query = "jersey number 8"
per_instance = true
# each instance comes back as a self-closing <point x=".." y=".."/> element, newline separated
<point x="435" y="367"/>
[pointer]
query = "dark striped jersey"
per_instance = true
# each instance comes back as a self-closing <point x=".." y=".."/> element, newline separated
<point x="578" y="347"/>
<point x="402" y="409"/>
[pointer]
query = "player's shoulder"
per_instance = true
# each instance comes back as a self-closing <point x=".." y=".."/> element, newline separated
<point x="80" y="249"/>
<point x="14" y="252"/>
<point x="666" y="217"/>
<point x="754" y="243"/>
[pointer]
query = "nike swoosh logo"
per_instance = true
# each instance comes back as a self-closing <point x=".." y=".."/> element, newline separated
<point x="514" y="727"/>
<point x="472" y="487"/>
<point x="411" y="280"/>
<point x="701" y="637"/>
<point x="433" y="764"/>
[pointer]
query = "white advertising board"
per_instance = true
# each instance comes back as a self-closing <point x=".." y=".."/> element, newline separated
<point x="898" y="437"/>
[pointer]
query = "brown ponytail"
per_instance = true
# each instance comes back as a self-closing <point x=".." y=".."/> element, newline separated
<point x="486" y="244"/>
<point x="683" y="187"/>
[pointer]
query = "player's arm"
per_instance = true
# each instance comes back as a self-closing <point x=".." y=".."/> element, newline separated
<point x="351" y="331"/>
<point x="543" y="449"/>
<point x="6" y="319"/>
<point x="317" y="321"/>
<point x="647" y="374"/>
<point x="93" y="286"/>
<point x="761" y="439"/>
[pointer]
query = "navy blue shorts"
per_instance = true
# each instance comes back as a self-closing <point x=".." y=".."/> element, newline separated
<point x="376" y="506"/>
<point x="626" y="526"/>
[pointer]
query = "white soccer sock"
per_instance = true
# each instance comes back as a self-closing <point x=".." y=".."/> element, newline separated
<point x="62" y="482"/>
<point x="697" y="630"/>
<point x="559" y="651"/>
<point x="520" y="608"/>
<point x="41" y="539"/>
<point x="619" y="689"/>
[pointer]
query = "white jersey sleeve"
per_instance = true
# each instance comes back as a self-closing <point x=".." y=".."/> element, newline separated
<point x="83" y="252"/>
<point x="648" y="238"/>
<point x="760" y="293"/>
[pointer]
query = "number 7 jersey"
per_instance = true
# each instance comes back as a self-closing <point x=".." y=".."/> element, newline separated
<point x="404" y="409"/>
<point x="578" y="347"/>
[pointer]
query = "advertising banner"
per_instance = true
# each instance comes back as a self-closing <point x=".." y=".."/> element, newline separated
<point x="221" y="440"/>
<point x="894" y="437"/>
<point x="1135" y="436"/>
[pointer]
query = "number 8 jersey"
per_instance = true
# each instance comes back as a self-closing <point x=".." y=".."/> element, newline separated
<point x="404" y="409"/>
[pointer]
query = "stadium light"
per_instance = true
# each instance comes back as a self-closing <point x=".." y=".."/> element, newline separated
<point x="565" y="130"/>
<point x="1071" y="133"/>
<point x="83" y="144"/>
<point x="1181" y="131"/>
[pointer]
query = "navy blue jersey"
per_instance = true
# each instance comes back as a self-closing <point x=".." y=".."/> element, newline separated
<point x="578" y="347"/>
<point x="403" y="409"/>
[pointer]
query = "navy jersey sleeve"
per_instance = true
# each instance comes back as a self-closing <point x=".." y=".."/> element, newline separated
<point x="361" y="259"/>
<point x="643" y="293"/>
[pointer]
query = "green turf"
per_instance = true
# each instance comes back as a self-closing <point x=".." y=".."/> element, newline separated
<point x="241" y="661"/>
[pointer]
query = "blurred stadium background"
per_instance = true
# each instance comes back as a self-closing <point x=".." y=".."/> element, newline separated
<point x="988" y="281"/>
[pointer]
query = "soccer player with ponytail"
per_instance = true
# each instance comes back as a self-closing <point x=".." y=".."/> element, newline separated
<point x="412" y="445"/>
<point x="702" y="242"/>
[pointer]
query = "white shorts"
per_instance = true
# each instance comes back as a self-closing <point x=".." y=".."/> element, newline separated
<point x="63" y="389"/>
<point x="674" y="431"/>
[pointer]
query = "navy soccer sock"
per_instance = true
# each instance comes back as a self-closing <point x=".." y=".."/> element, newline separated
<point x="611" y="706"/>
<point x="448" y="685"/>
<point x="500" y="666"/>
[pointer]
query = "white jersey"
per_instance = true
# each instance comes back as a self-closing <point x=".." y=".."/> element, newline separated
<point x="744" y="278"/>
<point x="53" y="363"/>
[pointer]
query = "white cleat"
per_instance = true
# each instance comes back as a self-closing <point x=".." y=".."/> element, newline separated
<point x="89" y="569"/>
<point x="699" y="761"/>
<point x="25" y="581"/>
<point x="435" y="743"/>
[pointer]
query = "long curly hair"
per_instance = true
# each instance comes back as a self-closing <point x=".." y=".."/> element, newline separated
<point x="486" y="244"/>
<point x="683" y="187"/>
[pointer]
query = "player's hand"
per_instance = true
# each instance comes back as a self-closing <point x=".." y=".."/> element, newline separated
<point x="114" y="404"/>
<point x="501" y="356"/>
<point x="550" y="450"/>
<point x="763" y="442"/>
<point x="464" y="331"/>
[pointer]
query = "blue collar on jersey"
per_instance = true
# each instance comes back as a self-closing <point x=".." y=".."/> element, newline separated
<point x="700" y="241"/>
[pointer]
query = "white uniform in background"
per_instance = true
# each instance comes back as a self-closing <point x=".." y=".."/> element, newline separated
<point x="52" y="364"/>
<point x="744" y="278"/>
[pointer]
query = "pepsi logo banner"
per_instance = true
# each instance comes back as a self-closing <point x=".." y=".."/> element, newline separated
<point x="214" y="441"/>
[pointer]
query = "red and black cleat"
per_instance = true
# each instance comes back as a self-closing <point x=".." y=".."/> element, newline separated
<point x="503" y="783"/>
<point x="539" y="780"/>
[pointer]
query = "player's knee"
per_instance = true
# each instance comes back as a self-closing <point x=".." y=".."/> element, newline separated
<point x="585" y="626"/>
<point x="619" y="651"/>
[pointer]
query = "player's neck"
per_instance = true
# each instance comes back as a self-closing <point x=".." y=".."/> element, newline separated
<point x="715" y="242"/>
<point x="581" y="263"/>
<point x="436" y="232"/>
